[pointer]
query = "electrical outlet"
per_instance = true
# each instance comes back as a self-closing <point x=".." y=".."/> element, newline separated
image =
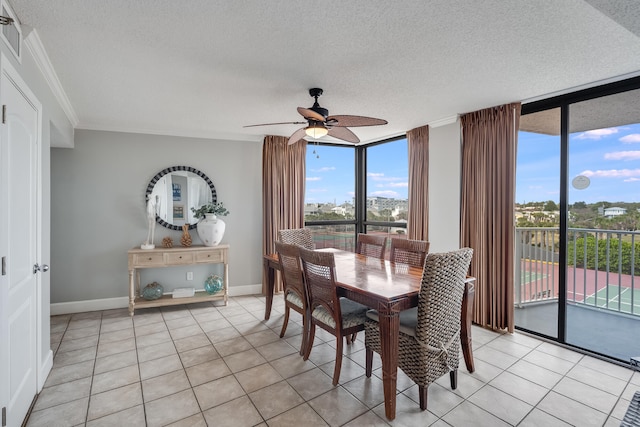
<point x="189" y="275"/>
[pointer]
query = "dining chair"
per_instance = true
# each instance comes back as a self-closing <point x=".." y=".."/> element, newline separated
<point x="369" y="245"/>
<point x="340" y="317"/>
<point x="429" y="338"/>
<point x="297" y="236"/>
<point x="407" y="251"/>
<point x="295" y="293"/>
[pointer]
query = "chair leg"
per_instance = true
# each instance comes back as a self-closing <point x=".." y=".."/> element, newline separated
<point x="422" y="391"/>
<point x="453" y="376"/>
<point x="310" y="338"/>
<point x="353" y="337"/>
<point x="286" y="321"/>
<point x="305" y="332"/>
<point x="369" y="362"/>
<point x="336" y="369"/>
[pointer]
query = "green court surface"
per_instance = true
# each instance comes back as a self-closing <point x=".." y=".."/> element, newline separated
<point x="618" y="299"/>
<point x="529" y="276"/>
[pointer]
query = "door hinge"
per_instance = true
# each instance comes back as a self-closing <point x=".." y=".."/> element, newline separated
<point x="4" y="265"/>
<point x="4" y="114"/>
<point x="4" y="416"/>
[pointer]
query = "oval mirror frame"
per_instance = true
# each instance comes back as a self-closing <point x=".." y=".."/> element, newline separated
<point x="169" y="170"/>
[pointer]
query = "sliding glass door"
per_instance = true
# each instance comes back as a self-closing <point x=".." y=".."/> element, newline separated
<point x="578" y="220"/>
<point x="603" y="241"/>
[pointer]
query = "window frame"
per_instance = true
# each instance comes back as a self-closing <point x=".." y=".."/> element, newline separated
<point x="360" y="199"/>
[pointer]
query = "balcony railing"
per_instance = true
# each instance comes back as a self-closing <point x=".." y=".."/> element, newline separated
<point x="602" y="266"/>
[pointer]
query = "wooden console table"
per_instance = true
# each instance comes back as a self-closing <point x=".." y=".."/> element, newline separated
<point x="174" y="257"/>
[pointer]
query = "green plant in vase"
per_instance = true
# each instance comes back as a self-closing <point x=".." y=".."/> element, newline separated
<point x="217" y="209"/>
<point x="210" y="227"/>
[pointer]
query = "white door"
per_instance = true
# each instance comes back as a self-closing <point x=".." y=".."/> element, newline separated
<point x="19" y="139"/>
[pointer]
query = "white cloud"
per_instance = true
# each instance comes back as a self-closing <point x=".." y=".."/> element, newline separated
<point x="612" y="173"/>
<point x="314" y="178"/>
<point x="386" y="193"/>
<point x="597" y="133"/>
<point x="630" y="139"/>
<point x="536" y="187"/>
<point x="380" y="177"/>
<point x="632" y="179"/>
<point x="398" y="184"/>
<point x="316" y="190"/>
<point x="623" y="155"/>
<point x="351" y="193"/>
<point x="324" y="169"/>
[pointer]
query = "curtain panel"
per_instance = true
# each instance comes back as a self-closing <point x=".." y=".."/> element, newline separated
<point x="489" y="141"/>
<point x="418" y="215"/>
<point x="283" y="182"/>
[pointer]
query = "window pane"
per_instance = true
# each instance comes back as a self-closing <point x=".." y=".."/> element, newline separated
<point x="388" y="182"/>
<point x="537" y="222"/>
<point x="330" y="183"/>
<point x="339" y="236"/>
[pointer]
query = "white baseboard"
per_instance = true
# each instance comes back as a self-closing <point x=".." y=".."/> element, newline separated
<point x="123" y="302"/>
<point x="236" y="291"/>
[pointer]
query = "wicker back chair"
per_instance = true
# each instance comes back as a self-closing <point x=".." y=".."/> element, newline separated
<point x="297" y="236"/>
<point x="411" y="252"/>
<point x="338" y="316"/>
<point x="295" y="293"/>
<point x="429" y="339"/>
<point x="373" y="246"/>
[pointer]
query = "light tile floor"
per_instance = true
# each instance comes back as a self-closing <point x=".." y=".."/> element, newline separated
<point x="199" y="365"/>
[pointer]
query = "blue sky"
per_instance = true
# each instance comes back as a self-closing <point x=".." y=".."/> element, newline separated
<point x="609" y="157"/>
<point x="330" y="178"/>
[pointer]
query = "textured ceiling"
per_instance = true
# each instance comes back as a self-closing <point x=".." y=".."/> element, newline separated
<point x="206" y="68"/>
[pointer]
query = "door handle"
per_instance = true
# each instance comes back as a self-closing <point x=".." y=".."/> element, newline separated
<point x="37" y="267"/>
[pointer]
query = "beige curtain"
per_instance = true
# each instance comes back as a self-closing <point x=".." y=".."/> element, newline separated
<point x="489" y="139"/>
<point x="283" y="180"/>
<point x="418" y="215"/>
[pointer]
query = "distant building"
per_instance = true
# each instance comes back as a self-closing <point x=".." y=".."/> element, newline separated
<point x="614" y="211"/>
<point x="311" y="209"/>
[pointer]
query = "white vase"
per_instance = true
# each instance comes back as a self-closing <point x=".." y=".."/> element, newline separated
<point x="211" y="229"/>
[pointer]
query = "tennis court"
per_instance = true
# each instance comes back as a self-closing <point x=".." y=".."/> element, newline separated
<point x="624" y="299"/>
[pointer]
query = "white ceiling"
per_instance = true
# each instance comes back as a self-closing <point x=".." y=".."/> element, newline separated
<point x="206" y="68"/>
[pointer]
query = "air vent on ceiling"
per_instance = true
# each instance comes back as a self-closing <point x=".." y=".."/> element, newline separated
<point x="11" y="33"/>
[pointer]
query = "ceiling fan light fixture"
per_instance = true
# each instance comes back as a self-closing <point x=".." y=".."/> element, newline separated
<point x="316" y="130"/>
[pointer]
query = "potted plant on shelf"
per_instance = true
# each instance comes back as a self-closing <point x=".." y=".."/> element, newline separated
<point x="211" y="228"/>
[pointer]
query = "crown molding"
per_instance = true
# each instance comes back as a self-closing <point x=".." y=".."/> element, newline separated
<point x="34" y="44"/>
<point x="443" y="122"/>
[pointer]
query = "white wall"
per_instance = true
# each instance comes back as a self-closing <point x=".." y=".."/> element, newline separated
<point x="98" y="211"/>
<point x="444" y="187"/>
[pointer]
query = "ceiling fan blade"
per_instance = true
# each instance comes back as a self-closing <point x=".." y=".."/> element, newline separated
<point x="296" y="136"/>
<point x="281" y="123"/>
<point x="343" y="134"/>
<point x="310" y="114"/>
<point x="354" y="121"/>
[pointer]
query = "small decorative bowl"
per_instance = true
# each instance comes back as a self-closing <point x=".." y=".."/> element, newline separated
<point x="152" y="291"/>
<point x="213" y="284"/>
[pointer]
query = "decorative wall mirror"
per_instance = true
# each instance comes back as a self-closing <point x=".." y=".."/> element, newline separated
<point x="176" y="190"/>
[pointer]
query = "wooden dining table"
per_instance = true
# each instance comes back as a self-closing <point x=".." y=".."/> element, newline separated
<point x="389" y="288"/>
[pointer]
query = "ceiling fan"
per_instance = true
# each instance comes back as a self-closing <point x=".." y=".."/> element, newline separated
<point x="320" y="123"/>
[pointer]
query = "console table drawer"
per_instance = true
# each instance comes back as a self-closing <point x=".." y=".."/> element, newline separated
<point x="179" y="258"/>
<point x="149" y="259"/>
<point x="214" y="255"/>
